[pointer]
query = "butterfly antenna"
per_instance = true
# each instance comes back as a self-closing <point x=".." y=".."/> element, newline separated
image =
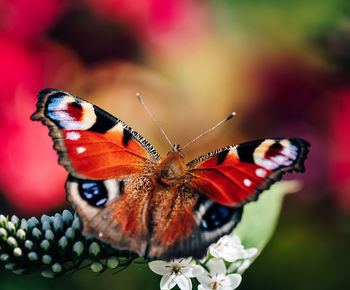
<point x="211" y="129"/>
<point x="154" y="119"/>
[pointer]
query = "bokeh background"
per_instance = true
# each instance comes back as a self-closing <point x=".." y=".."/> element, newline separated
<point x="283" y="66"/>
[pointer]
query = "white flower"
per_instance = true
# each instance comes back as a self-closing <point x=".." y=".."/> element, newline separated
<point x="242" y="265"/>
<point x="239" y="266"/>
<point x="229" y="248"/>
<point x="177" y="271"/>
<point x="217" y="278"/>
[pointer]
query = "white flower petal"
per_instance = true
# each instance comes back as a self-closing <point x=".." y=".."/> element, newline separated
<point x="231" y="255"/>
<point x="214" y="252"/>
<point x="202" y="287"/>
<point x="235" y="280"/>
<point x="224" y="239"/>
<point x="229" y="248"/>
<point x="205" y="279"/>
<point x="236" y="240"/>
<point x="168" y="282"/>
<point x="193" y="271"/>
<point x="182" y="262"/>
<point x="251" y="252"/>
<point x="234" y="266"/>
<point x="159" y="267"/>
<point x="244" y="266"/>
<point x="216" y="266"/>
<point x="183" y="282"/>
<point x="204" y="258"/>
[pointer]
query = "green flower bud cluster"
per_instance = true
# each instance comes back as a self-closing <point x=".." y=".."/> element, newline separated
<point x="54" y="245"/>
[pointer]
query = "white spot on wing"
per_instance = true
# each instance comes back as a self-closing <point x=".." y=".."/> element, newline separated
<point x="73" y="136"/>
<point x="287" y="155"/>
<point x="233" y="150"/>
<point x="59" y="111"/>
<point x="247" y="182"/>
<point x="80" y="150"/>
<point x="117" y="127"/>
<point x="260" y="172"/>
<point x="59" y="103"/>
<point x="280" y="159"/>
<point x="266" y="163"/>
<point x="61" y="116"/>
<point x="89" y="116"/>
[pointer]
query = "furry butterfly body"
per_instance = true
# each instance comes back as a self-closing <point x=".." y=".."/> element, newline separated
<point x="130" y="197"/>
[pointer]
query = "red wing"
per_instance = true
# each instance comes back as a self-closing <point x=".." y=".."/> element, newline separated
<point x="237" y="174"/>
<point x="90" y="142"/>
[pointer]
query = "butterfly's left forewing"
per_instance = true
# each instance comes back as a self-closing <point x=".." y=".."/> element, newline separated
<point x="109" y="167"/>
<point x="90" y="142"/>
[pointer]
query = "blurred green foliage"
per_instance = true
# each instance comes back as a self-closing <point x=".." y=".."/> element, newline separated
<point x="307" y="251"/>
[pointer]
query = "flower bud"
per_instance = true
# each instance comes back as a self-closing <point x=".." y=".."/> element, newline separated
<point x="3" y="220"/>
<point x="70" y="234"/>
<point x="58" y="223"/>
<point x="63" y="242"/>
<point x="94" y="249"/>
<point x="29" y="244"/>
<point x="112" y="262"/>
<point x="11" y="227"/>
<point x="96" y="267"/>
<point x="3" y="234"/>
<point x="19" y="271"/>
<point x="36" y="233"/>
<point x="15" y="220"/>
<point x="12" y="242"/>
<point x="45" y="245"/>
<point x="46" y="226"/>
<point x="4" y="257"/>
<point x="33" y="256"/>
<point x="78" y="248"/>
<point x="67" y="217"/>
<point x="17" y="252"/>
<point x="33" y="222"/>
<point x="48" y="273"/>
<point x="56" y="268"/>
<point x="46" y="259"/>
<point x="45" y="218"/>
<point x="21" y="234"/>
<point x="24" y="224"/>
<point x="49" y="235"/>
<point x="10" y="266"/>
<point x="76" y="224"/>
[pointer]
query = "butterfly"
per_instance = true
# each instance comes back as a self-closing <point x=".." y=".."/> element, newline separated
<point x="131" y="198"/>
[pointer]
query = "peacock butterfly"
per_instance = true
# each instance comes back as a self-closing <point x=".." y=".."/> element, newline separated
<point x="130" y="197"/>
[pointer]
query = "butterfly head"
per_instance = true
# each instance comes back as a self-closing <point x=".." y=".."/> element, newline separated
<point x="176" y="147"/>
<point x="172" y="168"/>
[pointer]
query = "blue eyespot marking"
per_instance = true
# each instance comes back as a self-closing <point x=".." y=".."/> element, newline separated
<point x="94" y="192"/>
<point x="217" y="215"/>
<point x="57" y="104"/>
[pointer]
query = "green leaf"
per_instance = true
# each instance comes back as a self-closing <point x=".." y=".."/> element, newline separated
<point x="260" y="218"/>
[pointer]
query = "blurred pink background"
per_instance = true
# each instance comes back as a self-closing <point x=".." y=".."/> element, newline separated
<point x="282" y="66"/>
